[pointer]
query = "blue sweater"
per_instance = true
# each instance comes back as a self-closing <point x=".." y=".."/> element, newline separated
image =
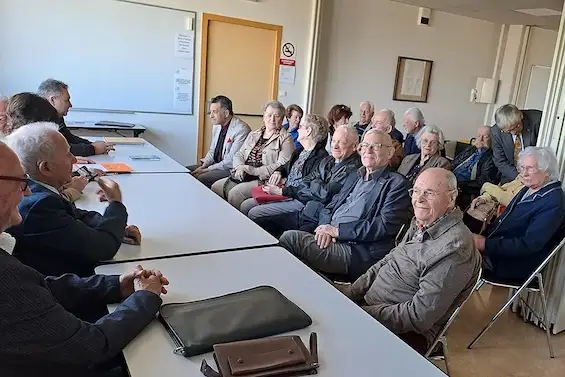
<point x="522" y="237"/>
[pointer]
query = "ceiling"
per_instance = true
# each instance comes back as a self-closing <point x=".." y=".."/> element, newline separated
<point x="498" y="11"/>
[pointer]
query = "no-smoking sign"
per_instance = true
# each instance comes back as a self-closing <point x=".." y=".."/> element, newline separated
<point x="288" y="51"/>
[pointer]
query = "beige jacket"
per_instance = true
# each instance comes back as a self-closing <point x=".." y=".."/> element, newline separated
<point x="276" y="152"/>
<point x="502" y="194"/>
<point x="434" y="162"/>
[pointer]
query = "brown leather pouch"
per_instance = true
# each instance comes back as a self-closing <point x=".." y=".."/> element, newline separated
<point x="269" y="357"/>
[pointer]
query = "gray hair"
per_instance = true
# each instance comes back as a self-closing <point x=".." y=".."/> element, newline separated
<point x="374" y="131"/>
<point x="507" y="116"/>
<point x="415" y="115"/>
<point x="435" y="130"/>
<point x="545" y="158"/>
<point x="51" y="87"/>
<point x="33" y="144"/>
<point x="351" y="131"/>
<point x="391" y="116"/>
<point x="319" y="126"/>
<point x="371" y="106"/>
<point x="275" y="105"/>
<point x="3" y="99"/>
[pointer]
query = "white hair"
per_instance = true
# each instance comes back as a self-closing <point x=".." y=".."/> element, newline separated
<point x="371" y="106"/>
<point x="545" y="159"/>
<point x="435" y="130"/>
<point x="351" y="131"/>
<point x="507" y="116"/>
<point x="274" y="105"/>
<point x="33" y="144"/>
<point x="319" y="126"/>
<point x="391" y="116"/>
<point x="415" y="115"/>
<point x="3" y="99"/>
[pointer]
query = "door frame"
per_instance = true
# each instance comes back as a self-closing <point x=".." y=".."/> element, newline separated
<point x="206" y="19"/>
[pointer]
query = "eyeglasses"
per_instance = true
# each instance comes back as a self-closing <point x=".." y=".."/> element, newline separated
<point x="527" y="169"/>
<point x="24" y="180"/>
<point x="373" y="145"/>
<point x="511" y="129"/>
<point x="428" y="194"/>
<point x="428" y="142"/>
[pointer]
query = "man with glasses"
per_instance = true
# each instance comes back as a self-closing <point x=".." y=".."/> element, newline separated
<point x="416" y="287"/>
<point x="359" y="225"/>
<point x="514" y="131"/>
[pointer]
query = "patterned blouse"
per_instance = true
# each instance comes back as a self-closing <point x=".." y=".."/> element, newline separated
<point x="255" y="158"/>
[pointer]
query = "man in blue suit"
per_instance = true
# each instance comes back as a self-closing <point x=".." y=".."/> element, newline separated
<point x="55" y="237"/>
<point x="40" y="335"/>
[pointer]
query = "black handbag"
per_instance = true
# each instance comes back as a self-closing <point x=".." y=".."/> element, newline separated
<point x="197" y="326"/>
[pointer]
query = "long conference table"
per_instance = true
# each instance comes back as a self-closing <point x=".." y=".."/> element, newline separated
<point x="206" y="248"/>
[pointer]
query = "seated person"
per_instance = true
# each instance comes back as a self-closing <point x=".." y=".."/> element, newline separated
<point x="502" y="194"/>
<point x="413" y="122"/>
<point x="294" y="114"/>
<point x="359" y="226"/>
<point x="228" y="134"/>
<point x="312" y="135"/>
<point x="384" y="121"/>
<point x="366" y="113"/>
<point x="474" y="167"/>
<point x="40" y="334"/>
<point x="339" y="115"/>
<point x="57" y="93"/>
<point x="263" y="152"/>
<point x="55" y="237"/>
<point x="525" y="232"/>
<point x="316" y="189"/>
<point x="431" y="142"/>
<point x="416" y="287"/>
<point x="3" y="117"/>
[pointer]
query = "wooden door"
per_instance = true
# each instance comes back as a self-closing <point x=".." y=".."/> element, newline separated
<point x="240" y="59"/>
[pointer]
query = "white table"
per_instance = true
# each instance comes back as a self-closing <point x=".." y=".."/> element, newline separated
<point x="350" y="342"/>
<point x="177" y="215"/>
<point x="136" y="130"/>
<point x="124" y="151"/>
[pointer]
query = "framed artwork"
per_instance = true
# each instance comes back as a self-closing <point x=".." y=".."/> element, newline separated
<point x="412" y="79"/>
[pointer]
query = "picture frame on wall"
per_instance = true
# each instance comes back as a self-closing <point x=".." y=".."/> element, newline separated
<point x="412" y="81"/>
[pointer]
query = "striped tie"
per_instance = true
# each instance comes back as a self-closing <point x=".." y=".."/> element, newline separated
<point x="517" y="148"/>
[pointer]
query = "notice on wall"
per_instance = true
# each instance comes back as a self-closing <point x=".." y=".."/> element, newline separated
<point x="413" y="80"/>
<point x="182" y="100"/>
<point x="287" y="71"/>
<point x="184" y="45"/>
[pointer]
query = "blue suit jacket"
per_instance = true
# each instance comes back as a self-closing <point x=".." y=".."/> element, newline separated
<point x="372" y="237"/>
<point x="521" y="238"/>
<point x="410" y="145"/>
<point x="55" y="237"/>
<point x="39" y="336"/>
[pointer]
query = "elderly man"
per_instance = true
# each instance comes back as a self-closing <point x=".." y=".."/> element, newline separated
<point x="318" y="188"/>
<point x="416" y="287"/>
<point x="385" y="121"/>
<point x="55" y="237"/>
<point x="40" y="334"/>
<point x="413" y="122"/>
<point x="3" y="116"/>
<point x="474" y="167"/>
<point x="57" y="93"/>
<point x="513" y="132"/>
<point x="532" y="223"/>
<point x="366" y="113"/>
<point x="228" y="134"/>
<point x="359" y="226"/>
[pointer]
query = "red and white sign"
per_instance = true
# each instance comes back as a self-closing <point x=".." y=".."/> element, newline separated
<point x="288" y="62"/>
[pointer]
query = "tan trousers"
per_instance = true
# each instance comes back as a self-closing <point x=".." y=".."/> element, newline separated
<point x="237" y="193"/>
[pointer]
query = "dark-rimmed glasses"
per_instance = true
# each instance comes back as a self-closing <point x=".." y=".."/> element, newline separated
<point x="24" y="180"/>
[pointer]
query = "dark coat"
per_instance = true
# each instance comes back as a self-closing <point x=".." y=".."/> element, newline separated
<point x="79" y="146"/>
<point x="486" y="171"/>
<point x="317" y="154"/>
<point x="410" y="145"/>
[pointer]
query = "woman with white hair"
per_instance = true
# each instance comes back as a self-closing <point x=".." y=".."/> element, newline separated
<point x="431" y="142"/>
<point x="523" y="235"/>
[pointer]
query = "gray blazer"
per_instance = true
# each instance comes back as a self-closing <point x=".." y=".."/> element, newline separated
<point x="236" y="135"/>
<point x="434" y="162"/>
<point x="503" y="144"/>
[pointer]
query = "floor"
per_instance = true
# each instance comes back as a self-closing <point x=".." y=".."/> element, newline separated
<point x="511" y="348"/>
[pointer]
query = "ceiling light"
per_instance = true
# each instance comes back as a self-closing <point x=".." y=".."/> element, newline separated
<point x="540" y="12"/>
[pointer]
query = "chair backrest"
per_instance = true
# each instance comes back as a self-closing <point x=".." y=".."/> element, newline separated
<point x="452" y="317"/>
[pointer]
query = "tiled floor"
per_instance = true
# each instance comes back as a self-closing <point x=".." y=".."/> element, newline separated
<point x="511" y="348"/>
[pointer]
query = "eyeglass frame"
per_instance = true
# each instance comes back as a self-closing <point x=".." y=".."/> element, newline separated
<point x="508" y="130"/>
<point x="374" y="146"/>
<point x="429" y="194"/>
<point x="26" y="180"/>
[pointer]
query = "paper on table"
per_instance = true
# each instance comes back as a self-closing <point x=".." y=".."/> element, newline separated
<point x="124" y="140"/>
<point x="117" y="167"/>
<point x="183" y="90"/>
<point x="413" y="79"/>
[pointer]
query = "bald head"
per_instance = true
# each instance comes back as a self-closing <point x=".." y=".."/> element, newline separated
<point x="344" y="142"/>
<point x="434" y="194"/>
<point x="11" y="192"/>
<point x="482" y="141"/>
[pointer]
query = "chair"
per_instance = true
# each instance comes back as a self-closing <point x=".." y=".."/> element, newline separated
<point x="441" y="337"/>
<point x="528" y="286"/>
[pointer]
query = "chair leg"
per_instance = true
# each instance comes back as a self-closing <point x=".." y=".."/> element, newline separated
<point x="545" y="315"/>
<point x="479" y="285"/>
<point x="493" y="320"/>
<point x="446" y="357"/>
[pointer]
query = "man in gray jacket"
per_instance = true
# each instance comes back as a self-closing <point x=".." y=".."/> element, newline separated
<point x="228" y="135"/>
<point x="415" y="288"/>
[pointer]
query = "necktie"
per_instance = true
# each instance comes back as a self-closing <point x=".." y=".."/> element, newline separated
<point x="517" y="149"/>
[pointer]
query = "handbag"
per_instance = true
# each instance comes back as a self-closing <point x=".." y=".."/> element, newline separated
<point x="263" y="197"/>
<point x="277" y="356"/>
<point x="484" y="213"/>
<point x="195" y="327"/>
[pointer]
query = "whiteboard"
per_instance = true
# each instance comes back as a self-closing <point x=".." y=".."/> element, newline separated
<point x="114" y="55"/>
<point x="537" y="87"/>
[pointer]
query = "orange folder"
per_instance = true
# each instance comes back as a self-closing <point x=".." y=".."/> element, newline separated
<point x="118" y="168"/>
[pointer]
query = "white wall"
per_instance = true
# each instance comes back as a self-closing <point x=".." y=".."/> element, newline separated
<point x="361" y="42"/>
<point x="541" y="46"/>
<point x="177" y="135"/>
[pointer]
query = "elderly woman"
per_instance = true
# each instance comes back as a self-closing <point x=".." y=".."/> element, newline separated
<point x="294" y="114"/>
<point x="430" y="143"/>
<point x="339" y="115"/>
<point x="311" y="135"/>
<point x="521" y="238"/>
<point x="263" y="152"/>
